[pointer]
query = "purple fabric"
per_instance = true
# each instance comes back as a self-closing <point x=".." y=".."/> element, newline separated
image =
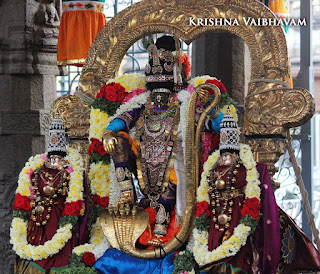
<point x="83" y="228"/>
<point x="265" y="242"/>
<point x="135" y="114"/>
<point x="267" y="234"/>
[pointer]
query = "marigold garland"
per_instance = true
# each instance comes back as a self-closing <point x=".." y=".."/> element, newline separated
<point x="231" y="246"/>
<point x="18" y="231"/>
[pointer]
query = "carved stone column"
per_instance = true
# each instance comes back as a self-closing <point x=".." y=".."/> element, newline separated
<point x="28" y="42"/>
<point x="226" y="57"/>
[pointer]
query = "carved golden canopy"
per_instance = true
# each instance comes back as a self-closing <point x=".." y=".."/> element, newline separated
<point x="267" y="44"/>
<point x="271" y="106"/>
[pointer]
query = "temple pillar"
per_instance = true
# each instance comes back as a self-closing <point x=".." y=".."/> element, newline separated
<point x="226" y="57"/>
<point x="28" y="70"/>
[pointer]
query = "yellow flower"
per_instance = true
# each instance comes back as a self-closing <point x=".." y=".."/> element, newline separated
<point x="43" y="253"/>
<point x="25" y="192"/>
<point x="233" y="111"/>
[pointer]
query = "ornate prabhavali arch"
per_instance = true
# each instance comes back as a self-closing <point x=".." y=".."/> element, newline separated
<point x="271" y="105"/>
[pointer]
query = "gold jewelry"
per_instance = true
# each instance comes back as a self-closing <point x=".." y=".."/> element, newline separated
<point x="220" y="183"/>
<point x="52" y="193"/>
<point x="221" y="200"/>
<point x="49" y="189"/>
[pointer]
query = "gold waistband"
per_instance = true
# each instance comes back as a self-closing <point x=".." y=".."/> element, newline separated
<point x="233" y="193"/>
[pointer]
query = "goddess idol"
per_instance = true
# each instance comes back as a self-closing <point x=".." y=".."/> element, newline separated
<point x="48" y="202"/>
<point x="238" y="227"/>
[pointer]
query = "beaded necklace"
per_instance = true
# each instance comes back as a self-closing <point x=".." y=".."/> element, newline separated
<point x="220" y="200"/>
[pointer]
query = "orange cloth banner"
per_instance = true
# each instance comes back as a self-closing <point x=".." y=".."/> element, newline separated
<point x="80" y="23"/>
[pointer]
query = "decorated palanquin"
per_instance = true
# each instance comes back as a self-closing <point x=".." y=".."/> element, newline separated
<point x="224" y="218"/>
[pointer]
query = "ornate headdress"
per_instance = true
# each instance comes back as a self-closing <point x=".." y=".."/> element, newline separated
<point x="229" y="136"/>
<point x="57" y="138"/>
<point x="163" y="69"/>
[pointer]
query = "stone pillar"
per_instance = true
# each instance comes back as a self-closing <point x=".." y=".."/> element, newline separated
<point x="226" y="57"/>
<point x="28" y="42"/>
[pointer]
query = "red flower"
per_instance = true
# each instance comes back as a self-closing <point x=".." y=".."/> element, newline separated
<point x="96" y="146"/>
<point x="219" y="84"/>
<point x="104" y="202"/>
<point x="88" y="259"/>
<point x="101" y="150"/>
<point x="72" y="208"/>
<point x="202" y="208"/>
<point x="93" y="146"/>
<point x="175" y="254"/>
<point x="251" y="207"/>
<point x="95" y="199"/>
<point x="112" y="97"/>
<point x="21" y="202"/>
<point x="113" y="92"/>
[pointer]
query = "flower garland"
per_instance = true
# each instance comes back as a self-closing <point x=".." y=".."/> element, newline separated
<point x="130" y="81"/>
<point x="73" y="208"/>
<point x="97" y="237"/>
<point x="118" y="95"/>
<point x="249" y="212"/>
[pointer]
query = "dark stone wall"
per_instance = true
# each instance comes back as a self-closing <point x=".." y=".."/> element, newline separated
<point x="28" y="41"/>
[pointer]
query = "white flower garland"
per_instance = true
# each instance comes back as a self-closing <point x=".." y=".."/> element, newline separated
<point x="97" y="239"/>
<point x="130" y="81"/>
<point x="231" y="246"/>
<point x="196" y="81"/>
<point x="99" y="175"/>
<point x="18" y="231"/>
<point x="115" y="191"/>
<point x="184" y="97"/>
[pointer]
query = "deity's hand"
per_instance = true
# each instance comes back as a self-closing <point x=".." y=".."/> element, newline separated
<point x="109" y="141"/>
<point x="126" y="199"/>
<point x="204" y="96"/>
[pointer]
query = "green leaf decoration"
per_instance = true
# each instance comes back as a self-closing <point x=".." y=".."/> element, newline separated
<point x="68" y="219"/>
<point x="184" y="262"/>
<point x="105" y="105"/>
<point x="201" y="223"/>
<point x="21" y="214"/>
<point x="249" y="221"/>
<point x="96" y="157"/>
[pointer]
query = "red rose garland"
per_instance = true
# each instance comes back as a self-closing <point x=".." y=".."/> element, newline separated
<point x="21" y="202"/>
<point x="102" y="201"/>
<point x="112" y="92"/>
<point x="202" y="208"/>
<point x="219" y="84"/>
<point x="251" y="207"/>
<point x="73" y="208"/>
<point x="97" y="147"/>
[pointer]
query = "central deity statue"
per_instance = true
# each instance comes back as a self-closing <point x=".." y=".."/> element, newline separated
<point x="159" y="162"/>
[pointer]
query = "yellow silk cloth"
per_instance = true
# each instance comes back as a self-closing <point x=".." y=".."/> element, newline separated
<point x="280" y="7"/>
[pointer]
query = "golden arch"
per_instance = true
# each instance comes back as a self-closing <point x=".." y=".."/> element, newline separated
<point x="267" y="44"/>
<point x="271" y="105"/>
